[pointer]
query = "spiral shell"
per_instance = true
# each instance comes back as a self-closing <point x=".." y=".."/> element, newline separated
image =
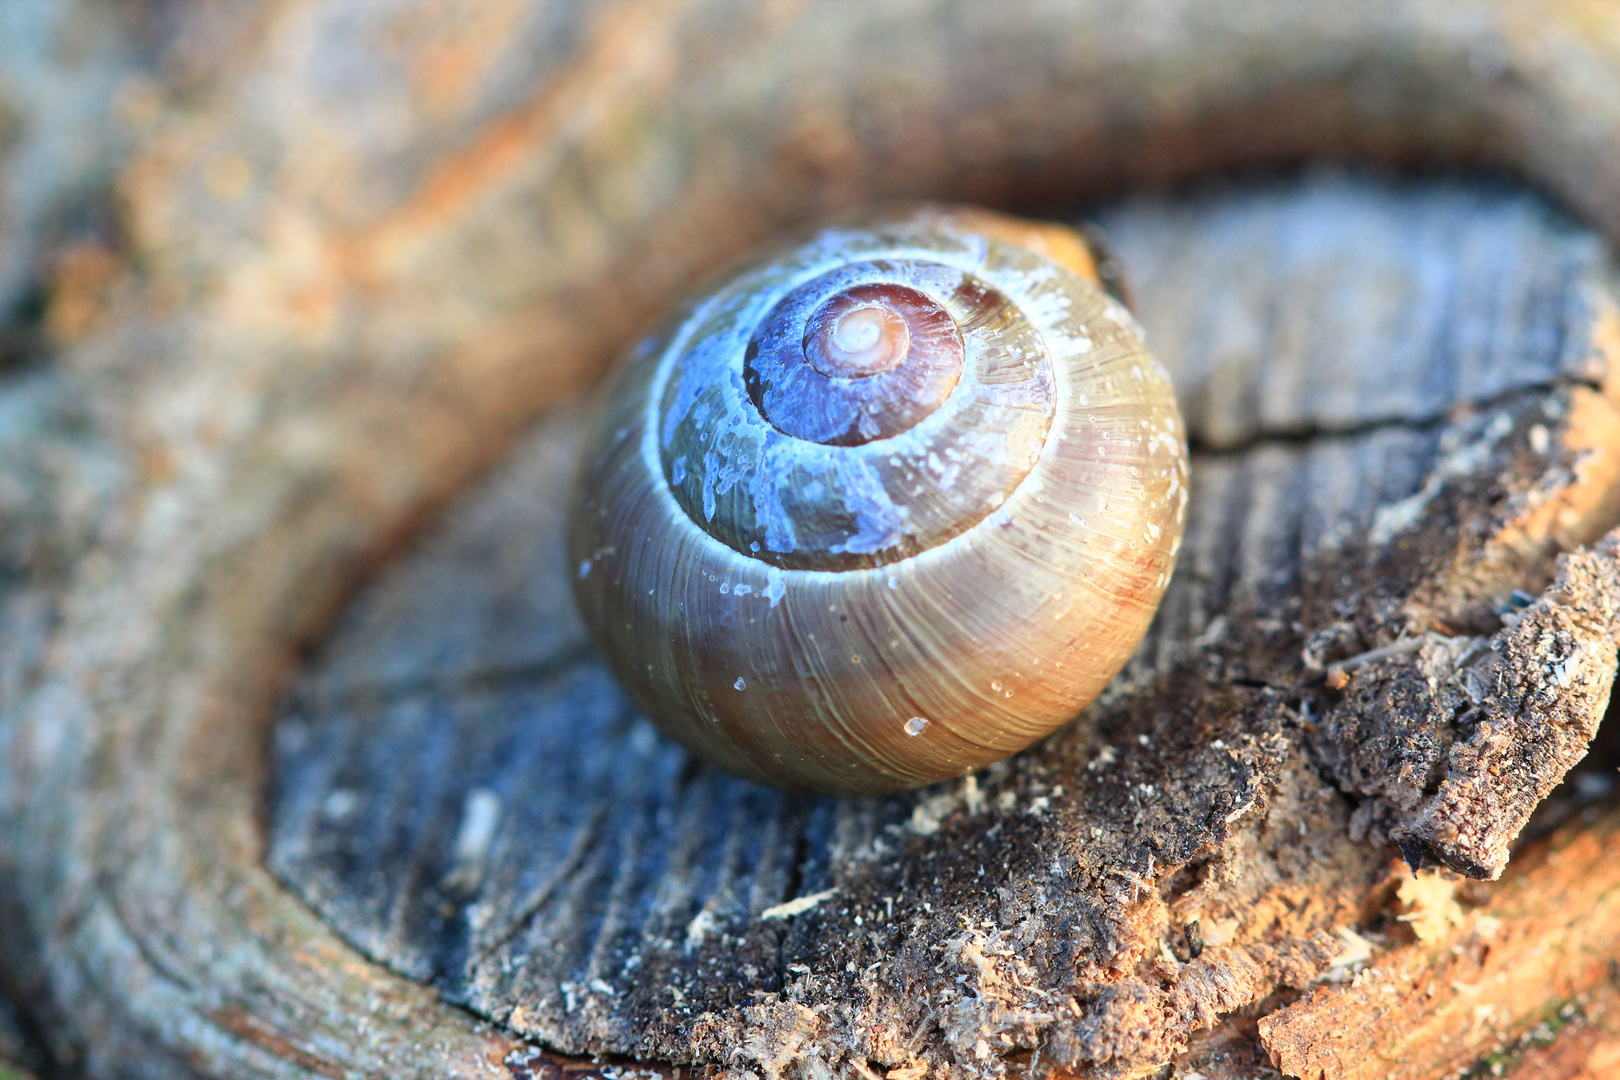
<point x="889" y="505"/>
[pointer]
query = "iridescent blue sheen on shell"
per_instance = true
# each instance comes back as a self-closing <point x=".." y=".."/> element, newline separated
<point x="790" y="376"/>
<point x="901" y="557"/>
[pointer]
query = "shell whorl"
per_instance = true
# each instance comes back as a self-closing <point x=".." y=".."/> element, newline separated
<point x="887" y="506"/>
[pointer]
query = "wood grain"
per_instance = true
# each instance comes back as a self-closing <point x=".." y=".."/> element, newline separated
<point x="463" y="792"/>
<point x="356" y="249"/>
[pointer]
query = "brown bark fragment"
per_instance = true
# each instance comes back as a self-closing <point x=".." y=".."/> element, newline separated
<point x="1539" y="712"/>
<point x="1477" y="746"/>
<point x="1544" y="938"/>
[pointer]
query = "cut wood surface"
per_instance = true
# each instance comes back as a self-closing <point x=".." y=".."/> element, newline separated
<point x="461" y="790"/>
<point x="284" y="277"/>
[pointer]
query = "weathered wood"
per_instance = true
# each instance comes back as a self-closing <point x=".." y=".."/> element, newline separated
<point x="358" y="248"/>
<point x="1579" y="1042"/>
<point x="69" y="78"/>
<point x="1510" y="960"/>
<point x="464" y="794"/>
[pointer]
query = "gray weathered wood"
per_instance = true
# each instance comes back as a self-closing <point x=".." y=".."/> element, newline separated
<point x="357" y="247"/>
<point x="464" y="794"/>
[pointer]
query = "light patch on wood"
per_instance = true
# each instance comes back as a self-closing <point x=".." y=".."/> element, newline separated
<point x="1431" y="908"/>
<point x="1357" y="951"/>
<point x="480" y="814"/>
<point x="797" y="906"/>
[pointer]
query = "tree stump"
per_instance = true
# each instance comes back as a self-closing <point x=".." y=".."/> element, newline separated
<point x="464" y="794"/>
<point x="291" y="780"/>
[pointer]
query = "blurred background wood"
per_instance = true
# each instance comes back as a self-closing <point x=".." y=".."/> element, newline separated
<point x="285" y="276"/>
<point x="14" y="1046"/>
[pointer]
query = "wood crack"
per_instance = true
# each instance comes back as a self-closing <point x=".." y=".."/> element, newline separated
<point x="1301" y="437"/>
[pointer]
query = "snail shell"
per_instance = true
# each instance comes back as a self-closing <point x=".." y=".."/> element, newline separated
<point x="889" y="505"/>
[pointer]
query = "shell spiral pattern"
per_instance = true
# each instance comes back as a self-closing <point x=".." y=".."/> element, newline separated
<point x="889" y="505"/>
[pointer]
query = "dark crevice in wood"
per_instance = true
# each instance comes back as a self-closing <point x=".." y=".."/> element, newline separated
<point x="25" y="1045"/>
<point x="1306" y="436"/>
<point x="22" y="345"/>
